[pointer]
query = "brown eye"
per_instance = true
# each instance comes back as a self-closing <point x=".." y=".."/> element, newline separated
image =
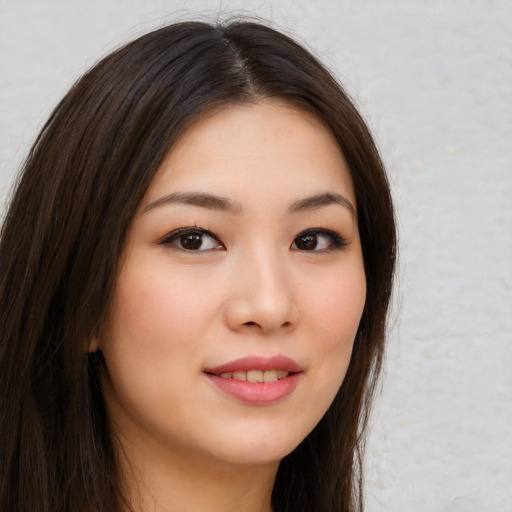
<point x="192" y="239"/>
<point x="306" y="242"/>
<point x="319" y="240"/>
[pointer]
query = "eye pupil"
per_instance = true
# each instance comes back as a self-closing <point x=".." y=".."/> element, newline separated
<point x="307" y="242"/>
<point x="191" y="241"/>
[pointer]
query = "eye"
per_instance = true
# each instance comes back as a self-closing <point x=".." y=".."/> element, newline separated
<point x="317" y="240"/>
<point x="192" y="239"/>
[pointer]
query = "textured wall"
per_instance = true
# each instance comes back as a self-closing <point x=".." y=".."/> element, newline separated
<point x="434" y="80"/>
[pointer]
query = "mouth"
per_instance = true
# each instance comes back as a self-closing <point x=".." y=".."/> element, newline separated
<point x="255" y="375"/>
<point x="257" y="369"/>
<point x="257" y="380"/>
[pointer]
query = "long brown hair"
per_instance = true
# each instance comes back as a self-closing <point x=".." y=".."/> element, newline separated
<point x="64" y="232"/>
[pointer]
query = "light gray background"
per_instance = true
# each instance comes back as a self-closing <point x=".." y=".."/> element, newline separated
<point x="434" y="80"/>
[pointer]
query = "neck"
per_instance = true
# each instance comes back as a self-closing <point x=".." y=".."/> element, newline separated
<point x="170" y="482"/>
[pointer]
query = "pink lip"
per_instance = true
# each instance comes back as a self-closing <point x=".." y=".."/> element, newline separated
<point x="257" y="363"/>
<point x="257" y="393"/>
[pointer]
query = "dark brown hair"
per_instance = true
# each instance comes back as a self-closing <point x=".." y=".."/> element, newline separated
<point x="63" y="236"/>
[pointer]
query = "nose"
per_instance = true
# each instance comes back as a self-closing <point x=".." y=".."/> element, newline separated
<point x="261" y="297"/>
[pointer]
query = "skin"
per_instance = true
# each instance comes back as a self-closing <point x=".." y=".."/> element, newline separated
<point x="254" y="290"/>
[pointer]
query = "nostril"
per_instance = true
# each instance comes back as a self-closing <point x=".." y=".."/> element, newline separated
<point x="250" y="324"/>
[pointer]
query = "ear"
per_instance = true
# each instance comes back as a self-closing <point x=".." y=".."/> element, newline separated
<point x="94" y="346"/>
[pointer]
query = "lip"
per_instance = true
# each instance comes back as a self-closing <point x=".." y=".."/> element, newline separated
<point x="245" y="364"/>
<point x="257" y="393"/>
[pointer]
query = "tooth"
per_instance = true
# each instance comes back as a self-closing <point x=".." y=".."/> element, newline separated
<point x="227" y="375"/>
<point x="240" y="375"/>
<point x="255" y="376"/>
<point x="281" y="374"/>
<point x="270" y="376"/>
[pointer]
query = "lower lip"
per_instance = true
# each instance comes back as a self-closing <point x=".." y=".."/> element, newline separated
<point x="257" y="393"/>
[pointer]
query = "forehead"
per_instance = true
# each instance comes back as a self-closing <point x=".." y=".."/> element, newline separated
<point x="271" y="145"/>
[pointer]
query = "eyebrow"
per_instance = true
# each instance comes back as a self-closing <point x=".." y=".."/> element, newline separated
<point x="320" y="200"/>
<point x="212" y="202"/>
<point x="202" y="200"/>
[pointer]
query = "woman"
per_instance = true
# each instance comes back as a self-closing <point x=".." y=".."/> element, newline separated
<point x="196" y="270"/>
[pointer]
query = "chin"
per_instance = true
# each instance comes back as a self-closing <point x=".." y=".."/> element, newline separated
<point x="254" y="456"/>
<point x="251" y="447"/>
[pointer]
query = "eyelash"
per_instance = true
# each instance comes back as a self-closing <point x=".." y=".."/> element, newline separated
<point x="175" y="236"/>
<point x="337" y="242"/>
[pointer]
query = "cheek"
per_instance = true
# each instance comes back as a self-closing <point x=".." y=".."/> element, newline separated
<point x="152" y="335"/>
<point x="335" y="311"/>
<point x="158" y="309"/>
<point x="151" y="340"/>
<point x="336" y="305"/>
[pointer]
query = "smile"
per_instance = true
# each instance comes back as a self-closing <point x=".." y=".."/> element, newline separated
<point x="256" y="375"/>
<point x="257" y="380"/>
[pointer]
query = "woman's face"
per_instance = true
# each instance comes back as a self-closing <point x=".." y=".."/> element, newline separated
<point x="243" y="263"/>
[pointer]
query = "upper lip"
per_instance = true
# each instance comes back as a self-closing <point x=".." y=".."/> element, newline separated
<point x="248" y="363"/>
